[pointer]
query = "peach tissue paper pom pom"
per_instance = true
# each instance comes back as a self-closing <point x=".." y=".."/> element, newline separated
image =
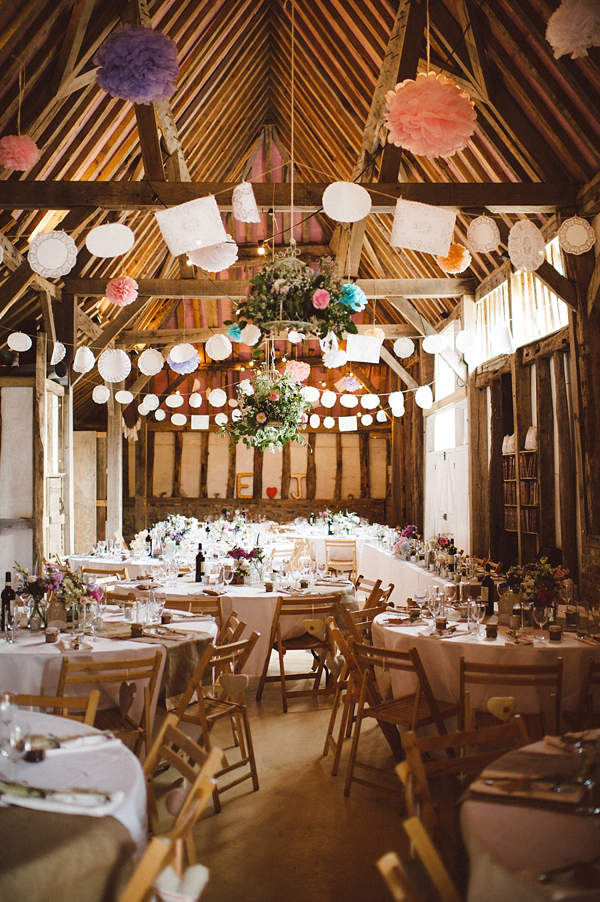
<point x="574" y="27"/>
<point x="458" y="259"/>
<point x="122" y="291"/>
<point x="429" y="116"/>
<point x="18" y="152"/>
<point x="297" y="370"/>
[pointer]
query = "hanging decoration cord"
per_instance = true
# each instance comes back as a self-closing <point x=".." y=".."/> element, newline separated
<point x="292" y="92"/>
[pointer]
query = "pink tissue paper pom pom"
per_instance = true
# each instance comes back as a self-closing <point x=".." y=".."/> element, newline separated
<point x="429" y="116"/>
<point x="321" y="299"/>
<point x="18" y="152"/>
<point x="574" y="27"/>
<point x="297" y="370"/>
<point x="122" y="291"/>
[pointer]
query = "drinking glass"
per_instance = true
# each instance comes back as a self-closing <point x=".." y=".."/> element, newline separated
<point x="228" y="573"/>
<point x="7" y="711"/>
<point x="478" y="613"/>
<point x="419" y="596"/>
<point x="102" y="549"/>
<point x="541" y="614"/>
<point x="15" y="744"/>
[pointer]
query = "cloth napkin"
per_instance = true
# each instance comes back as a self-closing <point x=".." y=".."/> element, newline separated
<point x="95" y="804"/>
<point x="60" y="744"/>
<point x="518" y="640"/>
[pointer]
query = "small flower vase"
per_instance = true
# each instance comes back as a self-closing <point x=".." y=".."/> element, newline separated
<point x="37" y="615"/>
<point x="506" y="602"/>
<point x="238" y="580"/>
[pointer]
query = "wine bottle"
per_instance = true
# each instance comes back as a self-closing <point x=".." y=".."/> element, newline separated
<point x="6" y="597"/>
<point x="199" y="564"/>
<point x="488" y="594"/>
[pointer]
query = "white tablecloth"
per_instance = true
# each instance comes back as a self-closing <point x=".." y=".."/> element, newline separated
<point x="441" y="659"/>
<point x="134" y="566"/>
<point x="374" y="564"/>
<point x="503" y="839"/>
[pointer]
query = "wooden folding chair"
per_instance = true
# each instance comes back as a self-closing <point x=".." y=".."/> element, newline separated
<point x="159" y="852"/>
<point x="207" y="604"/>
<point x="312" y="612"/>
<point x="117" y="573"/>
<point x="225" y="701"/>
<point x="384" y="596"/>
<point x="415" y="709"/>
<point x="587" y="715"/>
<point x="231" y="630"/>
<point x="194" y="764"/>
<point x="407" y="885"/>
<point x="340" y="556"/>
<point x="119" y="673"/>
<point x="543" y="677"/>
<point x="113" y="596"/>
<point x="367" y="589"/>
<point x="82" y="709"/>
<point x="358" y="623"/>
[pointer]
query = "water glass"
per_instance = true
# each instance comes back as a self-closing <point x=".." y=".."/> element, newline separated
<point x="477" y="609"/>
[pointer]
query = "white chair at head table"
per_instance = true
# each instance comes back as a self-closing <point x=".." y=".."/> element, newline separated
<point x="340" y="555"/>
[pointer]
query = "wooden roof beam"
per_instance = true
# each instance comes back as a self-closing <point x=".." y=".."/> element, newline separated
<point x="72" y="41"/>
<point x="425" y="328"/>
<point x="588" y="199"/>
<point x="166" y="336"/>
<point x="398" y="369"/>
<point x="470" y="24"/>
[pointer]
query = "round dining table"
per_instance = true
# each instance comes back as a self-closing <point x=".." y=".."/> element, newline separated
<point x="511" y="842"/>
<point x="67" y="845"/>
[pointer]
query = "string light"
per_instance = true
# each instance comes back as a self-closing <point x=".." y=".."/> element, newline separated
<point x="261" y="249"/>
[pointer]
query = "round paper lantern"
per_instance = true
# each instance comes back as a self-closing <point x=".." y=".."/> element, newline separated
<point x="246" y="387"/>
<point x="122" y="291"/>
<point x="396" y="399"/>
<point x="369" y="402"/>
<point x="151" y="401"/>
<point x="52" y="254"/>
<point x="329" y="422"/>
<point x="483" y="235"/>
<point x="236" y="415"/>
<point x="186" y="366"/>
<point x="457" y="260"/>
<point x="366" y="419"/>
<point x="297" y="370"/>
<point x="101" y="394"/>
<point x="250" y="334"/>
<point x="19" y="341"/>
<point x="151" y="362"/>
<point x="466" y="341"/>
<point x="314" y="420"/>
<point x="160" y="415"/>
<point x="124" y="396"/>
<point x="233" y="402"/>
<point x="114" y="365"/>
<point x="215" y="257"/>
<point x="179" y="419"/>
<point x="195" y="400"/>
<point x="346" y="201"/>
<point x="137" y="64"/>
<point x="435" y="344"/>
<point x="58" y="353"/>
<point x="328" y="398"/>
<point x="244" y="204"/>
<point x="218" y="347"/>
<point x="429" y="116"/>
<point x="404" y="347"/>
<point x="424" y="397"/>
<point x="18" y="152"/>
<point x="295" y="337"/>
<point x="349" y="401"/>
<point x="181" y="353"/>
<point x="174" y="400"/>
<point x="397" y="411"/>
<point x="380" y="416"/>
<point x="217" y="397"/>
<point x="84" y="360"/>
<point x="310" y="393"/>
<point x="221" y="419"/>
<point x="110" y="240"/>
<point x="143" y="410"/>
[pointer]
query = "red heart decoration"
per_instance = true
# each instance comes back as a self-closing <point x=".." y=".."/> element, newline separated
<point x="272" y="491"/>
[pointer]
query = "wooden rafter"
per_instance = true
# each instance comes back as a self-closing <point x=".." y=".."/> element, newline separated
<point x="72" y="41"/>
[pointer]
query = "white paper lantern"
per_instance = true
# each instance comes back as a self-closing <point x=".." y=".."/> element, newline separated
<point x="435" y="344"/>
<point x="58" y="353"/>
<point x="233" y="402"/>
<point x="218" y="347"/>
<point x="216" y="257"/>
<point x="84" y="360"/>
<point x="179" y="419"/>
<point x="422" y="227"/>
<point x="110" y="240"/>
<point x="114" y="365"/>
<point x="246" y="387"/>
<point x="404" y="347"/>
<point x="397" y="411"/>
<point x="366" y="419"/>
<point x="466" y="341"/>
<point x="295" y="337"/>
<point x="250" y="334"/>
<point x="181" y="353"/>
<point x="143" y="410"/>
<point x="502" y="340"/>
<point x="396" y="399"/>
<point x="348" y="424"/>
<point x="19" y="341"/>
<point x="236" y="415"/>
<point x="314" y="421"/>
<point x="380" y="416"/>
<point x="217" y="397"/>
<point x="101" y="394"/>
<point x="424" y="397"/>
<point x="151" y="401"/>
<point x="195" y="400"/>
<point x="346" y="201"/>
<point x="150" y="362"/>
<point x="244" y="204"/>
<point x="159" y="415"/>
<point x="363" y="348"/>
<point x="52" y="254"/>
<point x="200" y="421"/>
<point x="369" y="402"/>
<point x="310" y="393"/>
<point x="194" y="224"/>
<point x="349" y="401"/>
<point x="124" y="396"/>
<point x="328" y="398"/>
<point x="221" y="419"/>
<point x="329" y="422"/>
<point x="174" y="400"/>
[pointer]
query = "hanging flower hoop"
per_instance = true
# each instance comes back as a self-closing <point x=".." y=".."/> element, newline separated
<point x="272" y="415"/>
<point x="288" y="294"/>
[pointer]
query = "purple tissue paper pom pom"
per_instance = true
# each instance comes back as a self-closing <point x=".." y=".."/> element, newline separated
<point x="137" y="64"/>
<point x="185" y="366"/>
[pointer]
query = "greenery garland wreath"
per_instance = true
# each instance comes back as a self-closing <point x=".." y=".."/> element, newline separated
<point x="272" y="412"/>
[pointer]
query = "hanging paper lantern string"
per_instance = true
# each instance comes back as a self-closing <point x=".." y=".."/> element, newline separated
<point x="430" y="116"/>
<point x="137" y="64"/>
<point x="457" y="260"/>
<point x="122" y="291"/>
<point x="18" y="152"/>
<point x="574" y="27"/>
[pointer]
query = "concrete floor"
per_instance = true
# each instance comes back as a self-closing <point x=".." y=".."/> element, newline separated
<point x="299" y="839"/>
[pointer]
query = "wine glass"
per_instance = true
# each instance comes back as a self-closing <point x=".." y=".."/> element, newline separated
<point x="541" y="613"/>
<point x="7" y="711"/>
<point x="227" y="573"/>
<point x="15" y="744"/>
<point x="478" y="613"/>
<point x="420" y="596"/>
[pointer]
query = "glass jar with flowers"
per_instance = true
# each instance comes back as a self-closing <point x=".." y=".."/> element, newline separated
<point x="34" y="589"/>
<point x="247" y="563"/>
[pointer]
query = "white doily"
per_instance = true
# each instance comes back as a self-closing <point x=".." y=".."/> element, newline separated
<point x="526" y="246"/>
<point x="422" y="227"/>
<point x="576" y="236"/>
<point x="244" y="204"/>
<point x="52" y="254"/>
<point x="483" y="235"/>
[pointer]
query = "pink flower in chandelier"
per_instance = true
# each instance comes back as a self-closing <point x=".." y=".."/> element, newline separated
<point x="261" y="418"/>
<point x="321" y="299"/>
<point x="274" y="396"/>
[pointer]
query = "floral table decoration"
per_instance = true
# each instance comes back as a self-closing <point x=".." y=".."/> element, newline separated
<point x="247" y="563"/>
<point x="55" y="586"/>
<point x="271" y="415"/>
